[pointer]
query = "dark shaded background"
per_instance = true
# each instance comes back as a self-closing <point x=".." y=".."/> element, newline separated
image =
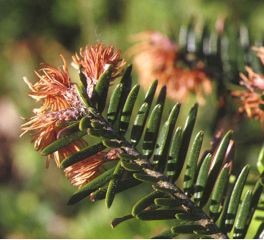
<point x="32" y="198"/>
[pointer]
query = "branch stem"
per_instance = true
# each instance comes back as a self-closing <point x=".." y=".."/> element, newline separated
<point x="162" y="181"/>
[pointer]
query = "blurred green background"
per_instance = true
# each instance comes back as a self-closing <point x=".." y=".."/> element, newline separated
<point x="33" y="199"/>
